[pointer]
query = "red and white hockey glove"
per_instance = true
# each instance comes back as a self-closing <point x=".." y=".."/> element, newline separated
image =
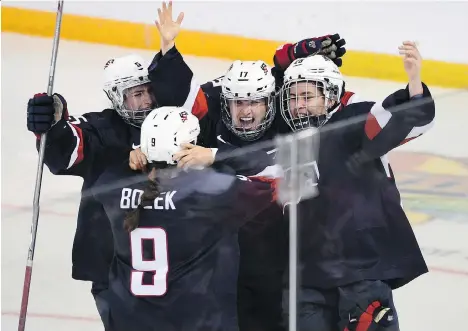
<point x="331" y="46"/>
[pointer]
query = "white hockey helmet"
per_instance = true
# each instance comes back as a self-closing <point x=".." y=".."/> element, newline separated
<point x="324" y="76"/>
<point x="248" y="99"/>
<point x="164" y="130"/>
<point x="122" y="76"/>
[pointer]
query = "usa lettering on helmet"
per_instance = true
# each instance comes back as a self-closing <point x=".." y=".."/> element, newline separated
<point x="108" y="63"/>
<point x="183" y="116"/>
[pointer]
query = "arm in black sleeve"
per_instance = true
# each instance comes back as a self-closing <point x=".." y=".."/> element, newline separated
<point x="397" y="120"/>
<point x="73" y="144"/>
<point x="174" y="84"/>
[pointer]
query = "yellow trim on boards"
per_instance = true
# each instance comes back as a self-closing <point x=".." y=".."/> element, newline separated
<point x="145" y="36"/>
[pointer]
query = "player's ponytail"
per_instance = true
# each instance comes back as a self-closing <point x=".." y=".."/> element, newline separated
<point x="151" y="192"/>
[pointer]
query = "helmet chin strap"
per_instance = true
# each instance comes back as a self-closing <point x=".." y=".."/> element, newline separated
<point x="332" y="110"/>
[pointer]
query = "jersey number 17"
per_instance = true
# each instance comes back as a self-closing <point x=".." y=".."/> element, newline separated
<point x="159" y="265"/>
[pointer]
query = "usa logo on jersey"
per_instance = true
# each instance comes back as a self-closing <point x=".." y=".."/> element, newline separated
<point x="183" y="116"/>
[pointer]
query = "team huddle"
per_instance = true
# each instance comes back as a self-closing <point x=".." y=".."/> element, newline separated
<point x="176" y="234"/>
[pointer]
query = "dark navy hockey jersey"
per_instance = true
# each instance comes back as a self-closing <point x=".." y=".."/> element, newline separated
<point x="178" y="269"/>
<point x="83" y="146"/>
<point x="356" y="229"/>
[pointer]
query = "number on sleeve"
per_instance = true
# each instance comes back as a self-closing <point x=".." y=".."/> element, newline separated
<point x="77" y="120"/>
<point x="159" y="265"/>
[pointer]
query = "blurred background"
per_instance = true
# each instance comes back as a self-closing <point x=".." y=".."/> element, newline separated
<point x="431" y="171"/>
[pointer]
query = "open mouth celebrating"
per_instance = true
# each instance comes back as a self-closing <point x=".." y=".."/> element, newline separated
<point x="246" y="122"/>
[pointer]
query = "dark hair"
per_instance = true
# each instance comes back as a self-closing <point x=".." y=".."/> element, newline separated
<point x="152" y="190"/>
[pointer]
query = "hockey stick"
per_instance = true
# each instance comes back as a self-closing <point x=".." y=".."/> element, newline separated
<point x="37" y="190"/>
<point x="294" y="194"/>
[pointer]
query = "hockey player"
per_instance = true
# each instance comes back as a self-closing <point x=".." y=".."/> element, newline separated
<point x="356" y="243"/>
<point x="85" y="145"/>
<point x="175" y="237"/>
<point x="262" y="255"/>
<point x="248" y="116"/>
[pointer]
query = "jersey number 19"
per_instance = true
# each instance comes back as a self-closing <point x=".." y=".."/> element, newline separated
<point x="158" y="265"/>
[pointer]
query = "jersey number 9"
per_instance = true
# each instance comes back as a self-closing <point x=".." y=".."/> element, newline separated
<point x="158" y="265"/>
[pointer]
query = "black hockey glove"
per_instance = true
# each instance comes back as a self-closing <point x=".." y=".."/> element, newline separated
<point x="331" y="46"/>
<point x="44" y="111"/>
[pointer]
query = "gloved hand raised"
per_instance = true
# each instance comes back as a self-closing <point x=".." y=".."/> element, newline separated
<point x="331" y="46"/>
<point x="44" y="111"/>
